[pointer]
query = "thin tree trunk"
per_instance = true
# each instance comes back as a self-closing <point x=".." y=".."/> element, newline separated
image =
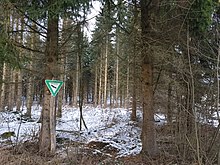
<point x="106" y="73"/>
<point x="61" y="93"/>
<point x="5" y="66"/>
<point x="3" y="90"/>
<point x="117" y="76"/>
<point x="62" y="61"/>
<point x="121" y="96"/>
<point x="11" y="89"/>
<point x="81" y="84"/>
<point x="100" y="81"/>
<point x="30" y="85"/>
<point x="134" y="91"/>
<point x="127" y="86"/>
<point x="193" y="116"/>
<point x="76" y="83"/>
<point x="134" y="73"/>
<point x="19" y="91"/>
<point x="95" y="86"/>
<point x="19" y="72"/>
<point x="11" y="74"/>
<point x="169" y="94"/>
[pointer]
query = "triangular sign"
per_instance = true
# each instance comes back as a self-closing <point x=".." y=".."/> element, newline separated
<point x="54" y="86"/>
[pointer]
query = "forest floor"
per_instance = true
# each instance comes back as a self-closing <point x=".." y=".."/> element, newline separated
<point x="111" y="138"/>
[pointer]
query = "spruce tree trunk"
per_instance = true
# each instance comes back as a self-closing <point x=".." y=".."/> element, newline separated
<point x="100" y="81"/>
<point x="30" y="88"/>
<point x="134" y="73"/>
<point x="3" y="87"/>
<point x="47" y="143"/>
<point x="148" y="135"/>
<point x="126" y="102"/>
<point x="106" y="73"/>
<point x="117" y="76"/>
<point x="62" y="61"/>
<point x="95" y="87"/>
<point x="19" y="72"/>
<point x="76" y="83"/>
<point x="80" y="71"/>
<point x="30" y="91"/>
<point x="11" y="89"/>
<point x="19" y="91"/>
<point x="61" y="92"/>
<point x="134" y="92"/>
<point x="11" y="74"/>
<point x="6" y="87"/>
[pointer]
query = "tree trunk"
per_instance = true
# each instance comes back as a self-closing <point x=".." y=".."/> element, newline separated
<point x="100" y="81"/>
<point x="19" y="72"/>
<point x="127" y="86"/>
<point x="134" y="76"/>
<point x="148" y="135"/>
<point x="106" y="72"/>
<point x="6" y="26"/>
<point x="3" y="87"/>
<point x="47" y="134"/>
<point x="61" y="93"/>
<point x="95" y="87"/>
<point x="76" y="83"/>
<point x="11" y="90"/>
<point x="19" y="91"/>
<point x="134" y="92"/>
<point x="117" y="75"/>
<point x="62" y="66"/>
<point x="81" y="84"/>
<point x="30" y="85"/>
<point x="169" y="94"/>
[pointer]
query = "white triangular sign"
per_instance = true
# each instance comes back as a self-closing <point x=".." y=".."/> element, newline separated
<point x="54" y="86"/>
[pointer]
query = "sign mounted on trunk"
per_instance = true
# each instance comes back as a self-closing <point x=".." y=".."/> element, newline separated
<point x="54" y="86"/>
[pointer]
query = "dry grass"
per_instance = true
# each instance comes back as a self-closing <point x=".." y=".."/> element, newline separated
<point x="26" y="154"/>
<point x="100" y="153"/>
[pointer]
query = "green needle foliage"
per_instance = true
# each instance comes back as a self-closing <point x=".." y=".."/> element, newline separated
<point x="200" y="16"/>
<point x="8" y="52"/>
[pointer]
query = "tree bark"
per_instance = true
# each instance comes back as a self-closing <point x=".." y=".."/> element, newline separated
<point x="117" y="72"/>
<point x="47" y="135"/>
<point x="148" y="135"/>
<point x="19" y="91"/>
<point x="81" y="84"/>
<point x="169" y="95"/>
<point x="100" y="80"/>
<point x="134" y="92"/>
<point x="30" y="85"/>
<point x="76" y="83"/>
<point x="134" y="77"/>
<point x="3" y="87"/>
<point x="106" y="72"/>
<point x="95" y="87"/>
<point x="19" y="72"/>
<point x="127" y="95"/>
<point x="62" y="66"/>
<point x="11" y="89"/>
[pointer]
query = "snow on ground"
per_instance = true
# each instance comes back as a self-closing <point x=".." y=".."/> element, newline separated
<point x="111" y="126"/>
<point x="104" y="125"/>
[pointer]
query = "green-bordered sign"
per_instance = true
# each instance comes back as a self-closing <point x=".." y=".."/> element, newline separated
<point x="54" y="86"/>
